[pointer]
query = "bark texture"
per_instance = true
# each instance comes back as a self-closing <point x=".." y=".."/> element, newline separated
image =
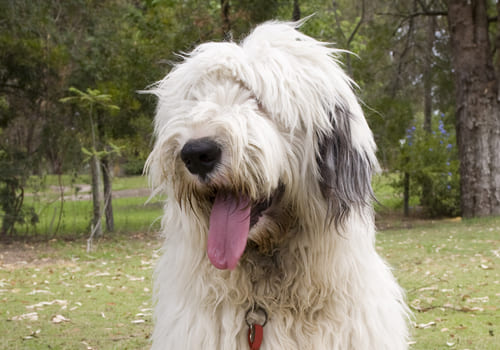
<point x="107" y="178"/>
<point x="478" y="117"/>
<point x="96" y="197"/>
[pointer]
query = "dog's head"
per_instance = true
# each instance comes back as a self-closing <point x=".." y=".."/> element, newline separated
<point x="254" y="139"/>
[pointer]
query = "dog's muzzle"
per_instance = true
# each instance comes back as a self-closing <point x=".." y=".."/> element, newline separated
<point x="201" y="156"/>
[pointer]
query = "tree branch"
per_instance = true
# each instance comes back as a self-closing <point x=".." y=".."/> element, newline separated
<point x="407" y="16"/>
<point x="358" y="25"/>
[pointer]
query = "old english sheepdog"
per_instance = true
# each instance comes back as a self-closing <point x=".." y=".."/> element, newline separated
<point x="266" y="159"/>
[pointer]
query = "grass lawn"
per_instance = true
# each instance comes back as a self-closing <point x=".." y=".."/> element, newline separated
<point x="131" y="214"/>
<point x="450" y="269"/>
<point x="132" y="210"/>
<point x="451" y="272"/>
<point x="56" y="296"/>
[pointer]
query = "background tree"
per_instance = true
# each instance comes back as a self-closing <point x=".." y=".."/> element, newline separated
<point x="402" y="63"/>
<point x="478" y="106"/>
<point x="476" y="89"/>
<point x="91" y="101"/>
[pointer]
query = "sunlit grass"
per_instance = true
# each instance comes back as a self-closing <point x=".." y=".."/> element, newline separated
<point x="131" y="214"/>
<point x="451" y="271"/>
<point x="104" y="297"/>
<point x="72" y="217"/>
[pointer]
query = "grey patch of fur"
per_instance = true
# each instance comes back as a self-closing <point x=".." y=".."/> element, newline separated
<point x="345" y="172"/>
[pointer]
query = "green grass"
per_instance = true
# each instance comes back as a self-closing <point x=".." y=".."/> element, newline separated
<point x="129" y="182"/>
<point x="131" y="214"/>
<point x="105" y="297"/>
<point x="450" y="270"/>
<point x="36" y="183"/>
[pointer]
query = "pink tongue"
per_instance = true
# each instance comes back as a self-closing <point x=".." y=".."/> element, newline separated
<point x="228" y="232"/>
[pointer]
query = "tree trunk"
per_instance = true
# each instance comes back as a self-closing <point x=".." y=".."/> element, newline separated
<point x="108" y="202"/>
<point x="427" y="77"/>
<point x="96" y="200"/>
<point x="429" y="45"/>
<point x="296" y="10"/>
<point x="477" y="109"/>
<point x="406" y="194"/>
<point x="226" y="22"/>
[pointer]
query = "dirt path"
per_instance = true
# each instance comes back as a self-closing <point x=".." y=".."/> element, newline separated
<point x="84" y="192"/>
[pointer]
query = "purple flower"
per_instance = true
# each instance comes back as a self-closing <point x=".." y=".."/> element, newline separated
<point x="442" y="130"/>
<point x="449" y="146"/>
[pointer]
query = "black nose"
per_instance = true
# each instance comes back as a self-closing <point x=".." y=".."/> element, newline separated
<point x="201" y="156"/>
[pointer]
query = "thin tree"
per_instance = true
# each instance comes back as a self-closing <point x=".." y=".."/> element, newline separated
<point x="349" y="38"/>
<point x="91" y="100"/>
<point x="296" y="10"/>
<point x="226" y="21"/>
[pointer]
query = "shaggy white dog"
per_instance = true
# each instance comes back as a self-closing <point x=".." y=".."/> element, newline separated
<point x="266" y="159"/>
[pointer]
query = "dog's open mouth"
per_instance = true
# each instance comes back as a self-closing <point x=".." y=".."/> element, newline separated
<point x="231" y="219"/>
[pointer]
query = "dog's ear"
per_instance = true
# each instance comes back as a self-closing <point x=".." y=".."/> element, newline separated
<point x="346" y="168"/>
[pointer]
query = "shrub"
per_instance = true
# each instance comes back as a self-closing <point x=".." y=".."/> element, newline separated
<point x="431" y="161"/>
<point x="133" y="167"/>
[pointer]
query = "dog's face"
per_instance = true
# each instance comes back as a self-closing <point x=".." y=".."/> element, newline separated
<point x="228" y="162"/>
<point x="250" y="140"/>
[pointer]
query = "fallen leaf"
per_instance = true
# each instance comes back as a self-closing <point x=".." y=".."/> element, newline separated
<point x="133" y="278"/>
<point x="478" y="300"/>
<point x="39" y="291"/>
<point x="428" y="288"/>
<point x="33" y="335"/>
<point x="32" y="316"/>
<point x="45" y="303"/>
<point x="59" y="319"/>
<point x="426" y="325"/>
<point x="471" y="309"/>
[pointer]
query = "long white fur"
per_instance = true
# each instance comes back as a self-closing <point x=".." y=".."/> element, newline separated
<point x="269" y="102"/>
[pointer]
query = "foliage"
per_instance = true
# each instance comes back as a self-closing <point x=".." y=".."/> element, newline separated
<point x="431" y="160"/>
<point x="12" y="182"/>
<point x="92" y="101"/>
<point x="122" y="46"/>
